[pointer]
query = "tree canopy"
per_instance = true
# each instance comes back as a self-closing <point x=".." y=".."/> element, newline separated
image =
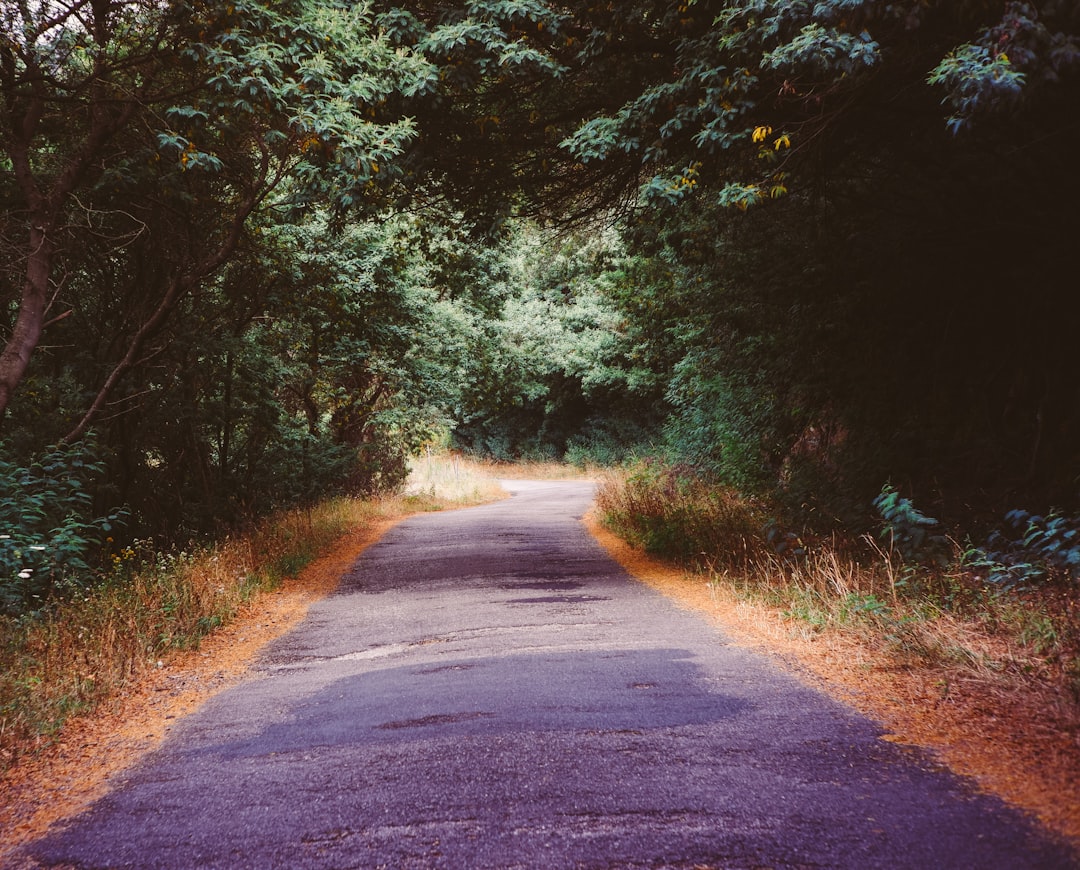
<point x="255" y="252"/>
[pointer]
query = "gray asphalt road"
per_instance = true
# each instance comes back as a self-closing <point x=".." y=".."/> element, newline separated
<point x="488" y="690"/>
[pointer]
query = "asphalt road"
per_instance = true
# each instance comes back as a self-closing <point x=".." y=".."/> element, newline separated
<point x="488" y="690"/>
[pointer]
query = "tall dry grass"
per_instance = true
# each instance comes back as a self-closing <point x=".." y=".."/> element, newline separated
<point x="444" y="476"/>
<point x="915" y="615"/>
<point x="461" y="477"/>
<point x="87" y="649"/>
<point x="669" y="512"/>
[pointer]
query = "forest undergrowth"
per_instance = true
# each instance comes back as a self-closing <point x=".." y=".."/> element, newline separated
<point x="69" y="658"/>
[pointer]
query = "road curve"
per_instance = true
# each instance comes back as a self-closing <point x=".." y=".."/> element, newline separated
<point x="487" y="689"/>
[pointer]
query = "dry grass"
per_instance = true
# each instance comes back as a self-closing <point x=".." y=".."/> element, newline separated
<point x="934" y="615"/>
<point x="937" y="618"/>
<point x="990" y="679"/>
<point x="525" y="469"/>
<point x="662" y="510"/>
<point x="452" y="477"/>
<point x="89" y="649"/>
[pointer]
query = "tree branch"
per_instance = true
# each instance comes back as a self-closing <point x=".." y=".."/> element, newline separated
<point x="179" y="287"/>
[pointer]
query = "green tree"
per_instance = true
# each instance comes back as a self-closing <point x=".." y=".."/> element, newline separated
<point x="210" y="107"/>
<point x="552" y="370"/>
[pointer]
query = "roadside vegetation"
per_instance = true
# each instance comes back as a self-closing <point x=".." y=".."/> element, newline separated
<point x="916" y="598"/>
<point x="69" y="656"/>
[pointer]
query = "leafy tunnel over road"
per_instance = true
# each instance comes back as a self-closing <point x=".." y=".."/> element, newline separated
<point x="488" y="689"/>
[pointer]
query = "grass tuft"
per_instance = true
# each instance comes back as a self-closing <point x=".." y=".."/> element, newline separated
<point x="666" y="511"/>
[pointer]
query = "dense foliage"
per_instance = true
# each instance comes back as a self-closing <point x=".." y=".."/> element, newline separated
<point x="263" y="250"/>
<point x="559" y="379"/>
<point x="52" y="533"/>
<point x="851" y="282"/>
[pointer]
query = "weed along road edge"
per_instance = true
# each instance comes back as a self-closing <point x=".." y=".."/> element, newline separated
<point x="487" y="689"/>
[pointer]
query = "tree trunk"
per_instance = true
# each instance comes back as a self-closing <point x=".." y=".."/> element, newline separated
<point x="32" y="307"/>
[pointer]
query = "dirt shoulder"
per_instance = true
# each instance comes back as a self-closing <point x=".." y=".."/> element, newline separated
<point x="67" y="776"/>
<point x="973" y="727"/>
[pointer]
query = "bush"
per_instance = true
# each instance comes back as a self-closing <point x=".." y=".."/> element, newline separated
<point x="672" y="511"/>
<point x="912" y="534"/>
<point x="1030" y="549"/>
<point x="49" y="533"/>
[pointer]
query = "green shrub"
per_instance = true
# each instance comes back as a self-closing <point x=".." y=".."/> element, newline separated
<point x="1030" y="549"/>
<point x="912" y="534"/>
<point x="50" y="531"/>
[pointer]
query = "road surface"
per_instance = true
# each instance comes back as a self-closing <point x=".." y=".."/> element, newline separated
<point x="488" y="689"/>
